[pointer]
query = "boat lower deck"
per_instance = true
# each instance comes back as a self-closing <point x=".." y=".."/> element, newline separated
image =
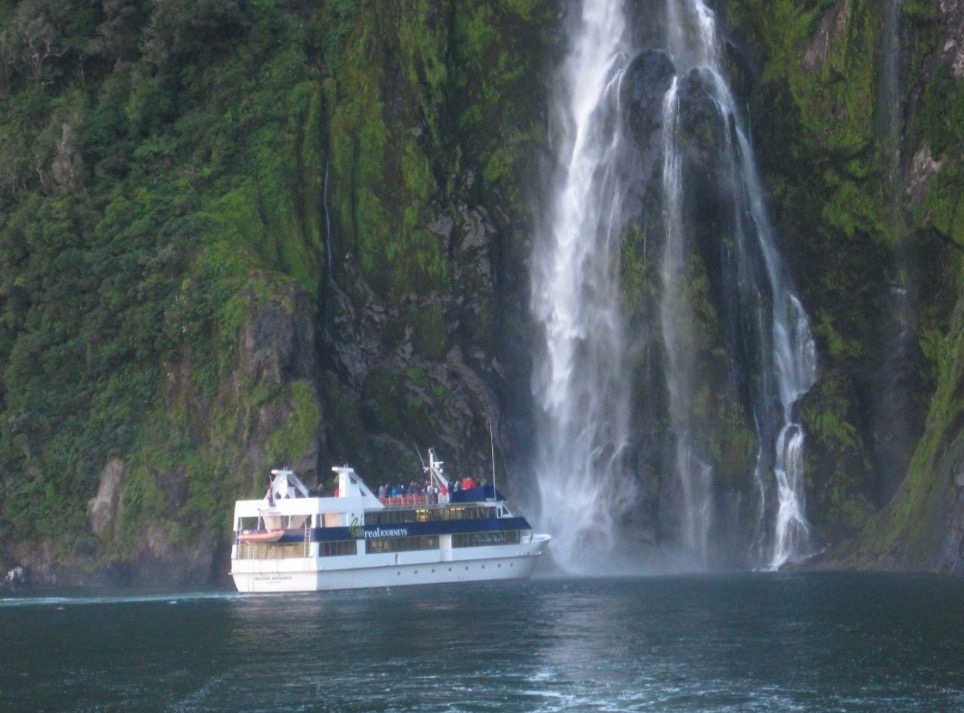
<point x="309" y="574"/>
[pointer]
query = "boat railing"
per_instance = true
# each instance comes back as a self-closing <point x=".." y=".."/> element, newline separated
<point x="397" y="501"/>
<point x="429" y="501"/>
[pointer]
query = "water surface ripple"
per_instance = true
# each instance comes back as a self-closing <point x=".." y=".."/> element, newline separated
<point x="747" y="642"/>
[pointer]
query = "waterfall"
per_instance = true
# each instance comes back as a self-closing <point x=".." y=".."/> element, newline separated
<point x="328" y="249"/>
<point x="582" y="384"/>
<point x="888" y="99"/>
<point x="788" y="352"/>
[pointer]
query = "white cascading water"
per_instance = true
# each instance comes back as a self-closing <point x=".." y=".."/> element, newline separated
<point x="693" y="44"/>
<point x="580" y="382"/>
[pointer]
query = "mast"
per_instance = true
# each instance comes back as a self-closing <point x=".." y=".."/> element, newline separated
<point x="495" y="492"/>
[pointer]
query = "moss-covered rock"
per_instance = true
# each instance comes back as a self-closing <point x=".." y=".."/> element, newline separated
<point x="859" y="235"/>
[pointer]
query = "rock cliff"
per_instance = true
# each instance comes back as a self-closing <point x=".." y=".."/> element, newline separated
<point x="237" y="234"/>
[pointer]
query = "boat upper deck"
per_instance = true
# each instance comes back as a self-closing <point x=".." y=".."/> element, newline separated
<point x="288" y="496"/>
<point x="482" y="493"/>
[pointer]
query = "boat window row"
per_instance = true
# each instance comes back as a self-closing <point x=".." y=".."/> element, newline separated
<point x="401" y="544"/>
<point x="481" y="539"/>
<point x="382" y="517"/>
<point x="270" y="550"/>
<point x="338" y="548"/>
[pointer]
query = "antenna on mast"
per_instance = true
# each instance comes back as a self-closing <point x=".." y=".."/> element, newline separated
<point x="495" y="493"/>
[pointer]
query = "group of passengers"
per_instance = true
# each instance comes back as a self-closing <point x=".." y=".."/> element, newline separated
<point x="434" y="492"/>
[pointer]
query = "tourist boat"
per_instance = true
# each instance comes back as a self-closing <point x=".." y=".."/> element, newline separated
<point x="295" y="541"/>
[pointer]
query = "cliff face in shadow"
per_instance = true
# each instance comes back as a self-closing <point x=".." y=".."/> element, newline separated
<point x="237" y="234"/>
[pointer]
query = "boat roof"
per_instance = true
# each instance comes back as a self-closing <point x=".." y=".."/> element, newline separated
<point x="283" y="479"/>
<point x="288" y="495"/>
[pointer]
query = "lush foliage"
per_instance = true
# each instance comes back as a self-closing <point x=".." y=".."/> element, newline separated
<point x="172" y="172"/>
<point x="877" y="250"/>
<point x="242" y="231"/>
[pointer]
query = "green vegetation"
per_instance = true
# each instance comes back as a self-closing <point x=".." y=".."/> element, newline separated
<point x="235" y="233"/>
<point x="907" y="532"/>
<point x="853" y="233"/>
<point x="173" y="178"/>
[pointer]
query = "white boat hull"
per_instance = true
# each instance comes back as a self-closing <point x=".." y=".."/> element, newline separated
<point x="313" y="574"/>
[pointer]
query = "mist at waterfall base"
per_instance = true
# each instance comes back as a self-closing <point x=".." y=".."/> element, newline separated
<point x="653" y="162"/>
<point x="743" y="642"/>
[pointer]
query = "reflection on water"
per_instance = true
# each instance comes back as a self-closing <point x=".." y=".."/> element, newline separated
<point x="742" y="643"/>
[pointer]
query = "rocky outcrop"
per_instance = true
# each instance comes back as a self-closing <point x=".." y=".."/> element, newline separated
<point x="276" y="345"/>
<point x="923" y="168"/>
<point x="102" y="509"/>
<point x="16" y="579"/>
<point x="952" y="40"/>
<point x="949" y="553"/>
<point x="829" y="34"/>
<point x="646" y="81"/>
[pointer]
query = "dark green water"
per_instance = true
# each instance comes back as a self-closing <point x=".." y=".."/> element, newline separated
<point x="750" y="642"/>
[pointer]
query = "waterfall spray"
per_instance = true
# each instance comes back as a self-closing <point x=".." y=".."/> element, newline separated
<point x="581" y="384"/>
<point x="788" y="357"/>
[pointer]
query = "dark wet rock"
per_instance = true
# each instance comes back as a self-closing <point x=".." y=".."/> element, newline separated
<point x="276" y="343"/>
<point x="646" y="81"/>
<point x="644" y="85"/>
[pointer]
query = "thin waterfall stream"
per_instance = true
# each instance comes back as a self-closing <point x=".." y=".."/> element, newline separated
<point x="586" y="373"/>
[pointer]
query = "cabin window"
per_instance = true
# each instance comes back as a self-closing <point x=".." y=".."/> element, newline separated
<point x="461" y="512"/>
<point x="337" y="549"/>
<point x="385" y="517"/>
<point x="468" y="513"/>
<point x="481" y="539"/>
<point x="401" y="544"/>
<point x="270" y="550"/>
